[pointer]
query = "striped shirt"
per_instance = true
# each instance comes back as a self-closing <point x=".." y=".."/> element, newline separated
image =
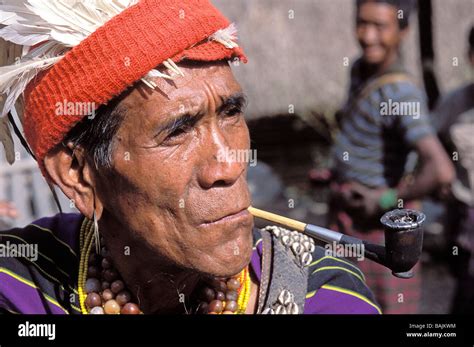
<point x="48" y="284"/>
<point x="379" y="130"/>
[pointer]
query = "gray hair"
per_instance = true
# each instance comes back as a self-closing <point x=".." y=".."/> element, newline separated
<point x="96" y="134"/>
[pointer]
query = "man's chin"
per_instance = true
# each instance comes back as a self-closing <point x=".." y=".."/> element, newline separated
<point x="227" y="263"/>
<point x="373" y="60"/>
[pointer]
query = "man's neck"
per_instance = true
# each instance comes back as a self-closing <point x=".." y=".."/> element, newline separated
<point x="371" y="70"/>
<point x="158" y="286"/>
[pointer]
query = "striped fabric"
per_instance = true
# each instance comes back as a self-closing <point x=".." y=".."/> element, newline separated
<point x="372" y="148"/>
<point x="49" y="284"/>
<point x="335" y="286"/>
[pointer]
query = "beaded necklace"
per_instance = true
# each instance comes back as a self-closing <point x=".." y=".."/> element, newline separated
<point x="230" y="296"/>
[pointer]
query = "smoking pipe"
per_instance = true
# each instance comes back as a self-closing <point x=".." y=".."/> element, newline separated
<point x="403" y="238"/>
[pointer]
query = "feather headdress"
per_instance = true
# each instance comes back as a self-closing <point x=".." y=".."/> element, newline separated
<point x="48" y="30"/>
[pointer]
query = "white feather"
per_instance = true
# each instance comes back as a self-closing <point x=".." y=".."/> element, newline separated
<point x="24" y="35"/>
<point x="59" y="25"/>
<point x="226" y="36"/>
<point x="14" y="78"/>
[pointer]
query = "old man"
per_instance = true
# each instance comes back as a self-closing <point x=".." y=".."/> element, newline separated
<point x="163" y="224"/>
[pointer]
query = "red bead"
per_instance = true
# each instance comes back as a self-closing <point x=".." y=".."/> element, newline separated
<point x="130" y="308"/>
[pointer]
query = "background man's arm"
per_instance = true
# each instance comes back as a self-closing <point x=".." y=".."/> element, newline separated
<point x="435" y="174"/>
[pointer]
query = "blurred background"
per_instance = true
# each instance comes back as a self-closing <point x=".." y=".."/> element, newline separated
<point x="300" y="53"/>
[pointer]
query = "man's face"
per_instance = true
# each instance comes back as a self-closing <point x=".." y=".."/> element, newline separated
<point x="378" y="32"/>
<point x="170" y="185"/>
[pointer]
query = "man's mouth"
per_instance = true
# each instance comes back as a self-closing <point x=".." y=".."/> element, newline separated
<point x="228" y="218"/>
<point x="369" y="50"/>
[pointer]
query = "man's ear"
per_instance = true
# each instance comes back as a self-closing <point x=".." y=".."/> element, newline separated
<point x="71" y="172"/>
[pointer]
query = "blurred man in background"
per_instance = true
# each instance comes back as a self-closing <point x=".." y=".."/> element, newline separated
<point x="384" y="119"/>
<point x="454" y="118"/>
<point x="7" y="211"/>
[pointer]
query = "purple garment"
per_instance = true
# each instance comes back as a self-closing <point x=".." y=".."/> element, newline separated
<point x="331" y="298"/>
<point x="36" y="288"/>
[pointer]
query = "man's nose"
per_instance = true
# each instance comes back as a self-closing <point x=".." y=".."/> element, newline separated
<point x="369" y="35"/>
<point x="222" y="164"/>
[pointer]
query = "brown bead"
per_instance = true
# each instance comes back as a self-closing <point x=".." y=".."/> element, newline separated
<point x="93" y="259"/>
<point x="117" y="286"/>
<point x="233" y="284"/>
<point x="93" y="271"/>
<point x="106" y="263"/>
<point x="228" y="312"/>
<point x="203" y="308"/>
<point x="123" y="297"/>
<point x="92" y="285"/>
<point x="93" y="300"/>
<point x="220" y="296"/>
<point x="215" y="306"/>
<point x="105" y="285"/>
<point x="110" y="275"/>
<point x="219" y="285"/>
<point x="111" y="307"/>
<point x="103" y="252"/>
<point x="231" y="306"/>
<point x="231" y="295"/>
<point x="208" y="294"/>
<point x="130" y="308"/>
<point x="108" y="295"/>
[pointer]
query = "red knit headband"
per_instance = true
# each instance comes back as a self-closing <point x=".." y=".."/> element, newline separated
<point x="115" y="56"/>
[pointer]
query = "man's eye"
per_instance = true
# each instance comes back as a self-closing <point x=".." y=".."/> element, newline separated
<point x="176" y="135"/>
<point x="233" y="111"/>
<point x="177" y="132"/>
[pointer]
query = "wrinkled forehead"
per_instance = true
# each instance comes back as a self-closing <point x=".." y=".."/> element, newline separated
<point x="200" y="79"/>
